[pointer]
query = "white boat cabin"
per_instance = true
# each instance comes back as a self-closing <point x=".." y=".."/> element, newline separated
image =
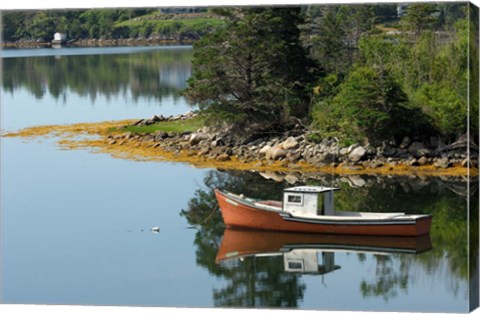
<point x="309" y="201"/>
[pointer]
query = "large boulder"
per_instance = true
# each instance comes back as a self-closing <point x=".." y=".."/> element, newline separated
<point x="443" y="163"/>
<point x="352" y="147"/>
<point x="418" y="150"/>
<point x="289" y="143"/>
<point x="276" y="152"/>
<point x="265" y="149"/>
<point x="357" y="154"/>
<point x="195" y="138"/>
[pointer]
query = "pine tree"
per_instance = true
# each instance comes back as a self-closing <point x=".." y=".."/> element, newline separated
<point x="254" y="72"/>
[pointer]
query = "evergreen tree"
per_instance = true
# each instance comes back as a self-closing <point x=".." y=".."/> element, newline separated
<point x="254" y="72"/>
<point x="420" y="17"/>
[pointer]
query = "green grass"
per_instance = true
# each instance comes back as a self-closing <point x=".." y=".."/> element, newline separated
<point x="178" y="126"/>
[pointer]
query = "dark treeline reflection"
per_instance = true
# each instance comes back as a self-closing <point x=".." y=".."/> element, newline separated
<point x="263" y="282"/>
<point x="154" y="74"/>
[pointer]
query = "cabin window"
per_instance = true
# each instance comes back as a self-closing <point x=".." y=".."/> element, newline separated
<point x="295" y="199"/>
<point x="298" y="266"/>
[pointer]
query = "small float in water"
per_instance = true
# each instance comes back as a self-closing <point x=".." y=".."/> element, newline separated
<point x="310" y="209"/>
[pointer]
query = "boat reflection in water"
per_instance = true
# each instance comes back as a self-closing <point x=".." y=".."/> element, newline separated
<point x="312" y="253"/>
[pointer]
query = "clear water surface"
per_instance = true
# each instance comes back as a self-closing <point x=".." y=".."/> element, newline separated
<point x="75" y="226"/>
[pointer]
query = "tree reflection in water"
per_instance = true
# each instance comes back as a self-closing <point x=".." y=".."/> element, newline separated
<point x="263" y="282"/>
<point x="154" y="75"/>
<point x="251" y="282"/>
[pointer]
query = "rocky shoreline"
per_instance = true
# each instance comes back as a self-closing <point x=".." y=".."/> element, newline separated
<point x="151" y="41"/>
<point x="298" y="152"/>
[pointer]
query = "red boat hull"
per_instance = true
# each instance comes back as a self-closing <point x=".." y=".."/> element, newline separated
<point x="238" y="215"/>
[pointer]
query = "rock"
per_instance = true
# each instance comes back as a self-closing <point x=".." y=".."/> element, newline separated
<point x="370" y="150"/>
<point x="356" y="181"/>
<point x="422" y="161"/>
<point x="264" y="149"/>
<point x="156" y="118"/>
<point x="390" y="152"/>
<point x="223" y="157"/>
<point x="156" y="145"/>
<point x="291" y="179"/>
<point x="413" y="162"/>
<point x="160" y="135"/>
<point x="258" y="164"/>
<point x="204" y="151"/>
<point x="272" y="175"/>
<point x="351" y="148"/>
<point x="195" y="138"/>
<point x="217" y="142"/>
<point x="344" y="151"/>
<point x="357" y="153"/>
<point x="406" y="142"/>
<point x="417" y="149"/>
<point x="111" y="142"/>
<point x="275" y="153"/>
<point x="294" y="157"/>
<point x="289" y="143"/>
<point x="443" y="163"/>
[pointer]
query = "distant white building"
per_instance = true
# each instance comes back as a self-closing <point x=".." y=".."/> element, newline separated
<point x="59" y="37"/>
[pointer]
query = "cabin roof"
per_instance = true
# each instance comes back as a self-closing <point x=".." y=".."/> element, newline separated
<point x="311" y="189"/>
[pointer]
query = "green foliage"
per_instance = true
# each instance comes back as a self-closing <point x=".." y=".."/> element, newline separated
<point x="254" y="70"/>
<point x="420" y="17"/>
<point x="429" y="67"/>
<point x="474" y="73"/>
<point x="42" y="26"/>
<point x="103" y="23"/>
<point x="340" y="28"/>
<point x="370" y="105"/>
<point x="434" y="75"/>
<point x="190" y="28"/>
<point x="179" y="126"/>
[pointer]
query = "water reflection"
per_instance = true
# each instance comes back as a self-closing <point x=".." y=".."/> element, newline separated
<point x="264" y="276"/>
<point x="152" y="74"/>
<point x="238" y="244"/>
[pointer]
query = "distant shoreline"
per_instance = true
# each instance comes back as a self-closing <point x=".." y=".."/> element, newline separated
<point x="98" y="43"/>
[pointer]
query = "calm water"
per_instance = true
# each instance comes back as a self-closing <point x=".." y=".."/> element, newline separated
<point x="75" y="226"/>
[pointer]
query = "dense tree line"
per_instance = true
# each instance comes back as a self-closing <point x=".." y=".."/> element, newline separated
<point x="98" y="23"/>
<point x="356" y="72"/>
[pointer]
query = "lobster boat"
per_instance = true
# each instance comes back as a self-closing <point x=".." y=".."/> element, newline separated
<point x="310" y="209"/>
